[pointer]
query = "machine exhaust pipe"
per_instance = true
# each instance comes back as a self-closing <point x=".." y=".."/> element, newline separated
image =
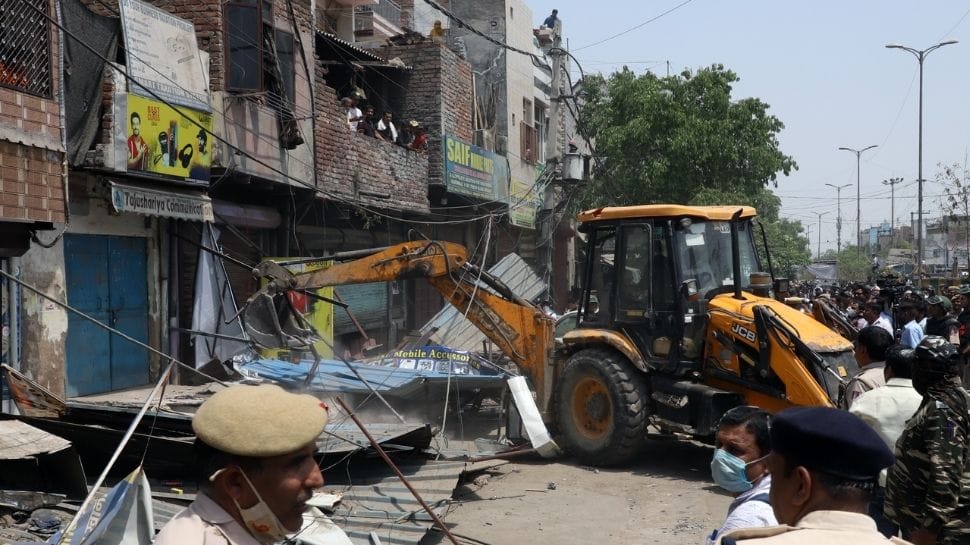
<point x="736" y="253"/>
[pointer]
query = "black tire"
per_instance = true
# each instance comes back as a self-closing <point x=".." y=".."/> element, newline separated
<point x="601" y="408"/>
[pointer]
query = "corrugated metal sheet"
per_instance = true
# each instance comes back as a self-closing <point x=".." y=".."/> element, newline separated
<point x="457" y="332"/>
<point x="377" y="501"/>
<point x="368" y="302"/>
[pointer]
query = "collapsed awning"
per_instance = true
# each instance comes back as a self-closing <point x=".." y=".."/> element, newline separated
<point x="168" y="202"/>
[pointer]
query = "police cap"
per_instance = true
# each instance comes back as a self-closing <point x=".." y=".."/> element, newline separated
<point x="939" y="300"/>
<point x="935" y="353"/>
<point x="964" y="290"/>
<point x="829" y="440"/>
<point x="259" y="421"/>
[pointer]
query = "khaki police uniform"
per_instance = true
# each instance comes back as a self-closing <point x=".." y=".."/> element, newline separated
<point x="252" y="421"/>
<point x="204" y="523"/>
<point x="815" y="528"/>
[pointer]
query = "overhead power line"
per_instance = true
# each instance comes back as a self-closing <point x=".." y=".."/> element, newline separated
<point x="631" y="29"/>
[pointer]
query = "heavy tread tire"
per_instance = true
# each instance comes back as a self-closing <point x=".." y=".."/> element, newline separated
<point x="627" y="428"/>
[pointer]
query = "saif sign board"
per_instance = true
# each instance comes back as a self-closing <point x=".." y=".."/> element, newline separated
<point x="163" y="56"/>
<point x="475" y="172"/>
<point x="163" y="141"/>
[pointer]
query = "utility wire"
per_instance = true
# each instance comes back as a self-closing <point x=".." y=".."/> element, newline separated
<point x="631" y="29"/>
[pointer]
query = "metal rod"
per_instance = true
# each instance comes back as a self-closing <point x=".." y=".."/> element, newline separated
<point x="162" y="380"/>
<point x="390" y="463"/>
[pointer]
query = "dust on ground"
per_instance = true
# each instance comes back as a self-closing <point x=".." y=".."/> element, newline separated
<point x="664" y="497"/>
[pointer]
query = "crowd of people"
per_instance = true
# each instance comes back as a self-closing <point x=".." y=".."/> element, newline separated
<point x="891" y="464"/>
<point x="365" y="122"/>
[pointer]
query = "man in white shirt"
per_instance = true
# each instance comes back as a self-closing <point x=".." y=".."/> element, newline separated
<point x="872" y="312"/>
<point x="354" y="115"/>
<point x="386" y="128"/>
<point x="886" y="410"/>
<point x="870" y="354"/>
<point x="742" y="443"/>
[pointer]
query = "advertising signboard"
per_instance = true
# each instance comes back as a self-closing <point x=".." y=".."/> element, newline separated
<point x="524" y="202"/>
<point x="475" y="172"/>
<point x="163" y="55"/>
<point x="163" y="141"/>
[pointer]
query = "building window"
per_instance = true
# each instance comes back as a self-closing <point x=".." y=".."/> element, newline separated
<point x="248" y="23"/>
<point x="25" y="47"/>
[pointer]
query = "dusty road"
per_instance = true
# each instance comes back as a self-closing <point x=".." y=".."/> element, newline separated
<point x="666" y="498"/>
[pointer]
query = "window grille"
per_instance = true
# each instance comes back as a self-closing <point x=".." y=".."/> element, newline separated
<point x="25" y="46"/>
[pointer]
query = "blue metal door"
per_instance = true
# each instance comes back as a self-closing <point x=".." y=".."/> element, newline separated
<point x="106" y="279"/>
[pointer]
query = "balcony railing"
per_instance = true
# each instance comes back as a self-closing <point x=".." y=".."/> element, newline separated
<point x="364" y="16"/>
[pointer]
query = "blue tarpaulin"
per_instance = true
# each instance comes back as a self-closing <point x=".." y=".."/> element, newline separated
<point x="394" y="381"/>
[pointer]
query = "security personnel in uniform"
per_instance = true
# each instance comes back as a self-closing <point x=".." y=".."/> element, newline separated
<point x="255" y="451"/>
<point x="928" y="488"/>
<point x="824" y="465"/>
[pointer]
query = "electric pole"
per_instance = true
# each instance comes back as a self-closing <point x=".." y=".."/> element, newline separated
<point x="838" y="218"/>
<point x="892" y="207"/>
<point x="547" y="216"/>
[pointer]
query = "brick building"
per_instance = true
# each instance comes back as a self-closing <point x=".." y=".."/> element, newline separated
<point x="32" y="178"/>
<point x="237" y="142"/>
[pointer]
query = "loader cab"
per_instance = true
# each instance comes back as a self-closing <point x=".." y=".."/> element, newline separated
<point x="650" y="278"/>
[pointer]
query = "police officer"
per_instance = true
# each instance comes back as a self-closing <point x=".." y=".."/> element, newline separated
<point x="939" y="321"/>
<point x="928" y="488"/>
<point x="255" y="451"/>
<point x="824" y="466"/>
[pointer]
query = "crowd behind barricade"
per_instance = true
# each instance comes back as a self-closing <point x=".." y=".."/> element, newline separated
<point x="411" y="135"/>
<point x="892" y="463"/>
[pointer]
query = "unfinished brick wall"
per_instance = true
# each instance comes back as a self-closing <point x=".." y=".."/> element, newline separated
<point x="438" y="93"/>
<point x="363" y="169"/>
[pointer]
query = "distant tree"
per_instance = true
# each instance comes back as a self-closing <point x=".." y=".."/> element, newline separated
<point x="684" y="139"/>
<point x="955" y="180"/>
<point x="666" y="139"/>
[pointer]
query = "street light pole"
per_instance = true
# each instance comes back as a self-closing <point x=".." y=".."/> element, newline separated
<point x="838" y="219"/>
<point x="858" y="199"/>
<point x="920" y="55"/>
<point x="818" y="253"/>
<point x="892" y="207"/>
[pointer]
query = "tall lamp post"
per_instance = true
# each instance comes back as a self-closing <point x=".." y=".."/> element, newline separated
<point x="858" y="200"/>
<point x="920" y="55"/>
<point x="838" y="218"/>
<point x="818" y="253"/>
<point x="892" y="206"/>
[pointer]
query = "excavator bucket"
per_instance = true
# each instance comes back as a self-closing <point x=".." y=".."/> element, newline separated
<point x="270" y="321"/>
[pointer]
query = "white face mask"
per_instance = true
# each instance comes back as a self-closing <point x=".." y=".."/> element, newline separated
<point x="260" y="520"/>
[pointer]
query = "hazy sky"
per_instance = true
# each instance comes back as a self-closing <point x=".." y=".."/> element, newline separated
<point x="823" y="68"/>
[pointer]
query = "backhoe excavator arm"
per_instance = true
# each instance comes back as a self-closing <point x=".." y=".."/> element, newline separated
<point x="521" y="330"/>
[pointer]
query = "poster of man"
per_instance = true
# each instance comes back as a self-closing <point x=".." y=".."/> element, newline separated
<point x="167" y="141"/>
<point x="137" y="147"/>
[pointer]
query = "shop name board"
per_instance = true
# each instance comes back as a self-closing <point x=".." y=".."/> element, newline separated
<point x="473" y="171"/>
<point x="160" y="203"/>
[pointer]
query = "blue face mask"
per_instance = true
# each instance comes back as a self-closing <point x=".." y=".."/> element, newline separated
<point x="729" y="471"/>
